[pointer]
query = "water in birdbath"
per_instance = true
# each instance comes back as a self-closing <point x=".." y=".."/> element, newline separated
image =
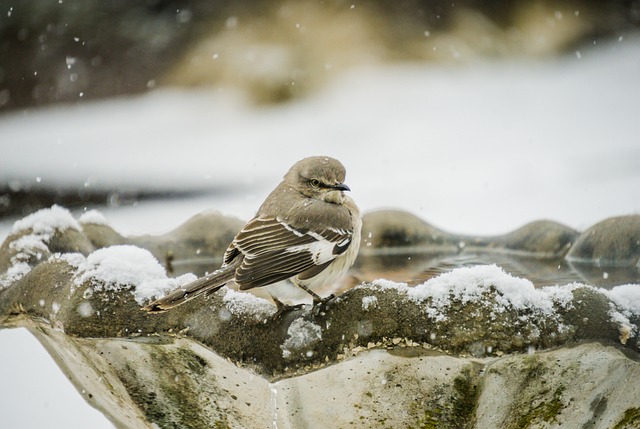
<point x="416" y="267"/>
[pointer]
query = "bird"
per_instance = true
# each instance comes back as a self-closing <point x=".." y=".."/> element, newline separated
<point x="306" y="231"/>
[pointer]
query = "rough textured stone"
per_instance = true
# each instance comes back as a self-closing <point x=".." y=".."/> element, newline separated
<point x="612" y="242"/>
<point x="397" y="228"/>
<point x="203" y="237"/>
<point x="400" y="229"/>
<point x="586" y="386"/>
<point x="377" y="356"/>
<point x="170" y="382"/>
<point x="542" y="238"/>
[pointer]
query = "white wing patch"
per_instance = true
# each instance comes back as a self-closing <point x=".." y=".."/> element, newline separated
<point x="321" y="250"/>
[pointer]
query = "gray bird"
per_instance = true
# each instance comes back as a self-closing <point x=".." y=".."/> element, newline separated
<point x="306" y="231"/>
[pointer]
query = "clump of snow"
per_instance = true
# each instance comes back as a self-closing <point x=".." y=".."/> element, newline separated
<point x="382" y="284"/>
<point x="73" y="259"/>
<point x="300" y="335"/>
<point x="626" y="297"/>
<point x="244" y="303"/>
<point x="469" y="284"/>
<point x="128" y="267"/>
<point x="15" y="272"/>
<point x="369" y="302"/>
<point x="40" y="226"/>
<point x="85" y="309"/>
<point x="625" y="304"/>
<point x="34" y="244"/>
<point x="46" y="221"/>
<point x="94" y="217"/>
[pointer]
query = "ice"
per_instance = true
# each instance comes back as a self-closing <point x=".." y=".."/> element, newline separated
<point x="300" y="335"/>
<point x="123" y="267"/>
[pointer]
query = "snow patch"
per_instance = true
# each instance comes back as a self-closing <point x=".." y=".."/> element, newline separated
<point x="73" y="259"/>
<point x="243" y="303"/>
<point x="128" y="267"/>
<point x="383" y="284"/>
<point x="93" y="217"/>
<point x="300" y="335"/>
<point x="369" y="302"/>
<point x="625" y="304"/>
<point x="626" y="297"/>
<point x="469" y="284"/>
<point x="46" y="221"/>
<point x="15" y="272"/>
<point x="40" y="226"/>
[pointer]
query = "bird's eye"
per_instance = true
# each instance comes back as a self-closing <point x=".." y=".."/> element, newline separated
<point x="315" y="183"/>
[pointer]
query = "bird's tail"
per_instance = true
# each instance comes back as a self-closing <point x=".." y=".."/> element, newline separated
<point x="204" y="285"/>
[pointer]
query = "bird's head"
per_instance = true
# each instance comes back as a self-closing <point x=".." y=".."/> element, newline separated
<point x="319" y="177"/>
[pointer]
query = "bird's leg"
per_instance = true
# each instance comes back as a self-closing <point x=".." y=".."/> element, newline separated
<point x="282" y="308"/>
<point x="317" y="299"/>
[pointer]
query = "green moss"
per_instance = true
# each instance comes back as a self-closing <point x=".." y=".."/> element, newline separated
<point x="430" y="421"/>
<point x="534" y="369"/>
<point x="454" y="410"/>
<point x="166" y="402"/>
<point x="546" y="411"/>
<point x="465" y="399"/>
<point x="194" y="362"/>
<point x="631" y="419"/>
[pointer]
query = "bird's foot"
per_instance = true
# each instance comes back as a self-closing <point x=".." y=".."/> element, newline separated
<point x="282" y="308"/>
<point x="320" y="304"/>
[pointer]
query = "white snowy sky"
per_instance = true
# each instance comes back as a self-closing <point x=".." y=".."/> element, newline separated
<point x="479" y="149"/>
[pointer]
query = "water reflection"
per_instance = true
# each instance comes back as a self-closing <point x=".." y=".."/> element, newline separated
<point x="415" y="267"/>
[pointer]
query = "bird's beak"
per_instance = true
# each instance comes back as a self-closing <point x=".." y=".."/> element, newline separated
<point x="341" y="187"/>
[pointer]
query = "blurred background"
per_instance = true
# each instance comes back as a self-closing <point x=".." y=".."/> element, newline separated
<point x="476" y="115"/>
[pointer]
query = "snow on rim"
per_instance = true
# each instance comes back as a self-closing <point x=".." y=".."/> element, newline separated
<point x="94" y="217"/>
<point x="46" y="221"/>
<point x="302" y="334"/>
<point x="41" y="226"/>
<point x="239" y="303"/>
<point x="121" y="267"/>
<point x="469" y="284"/>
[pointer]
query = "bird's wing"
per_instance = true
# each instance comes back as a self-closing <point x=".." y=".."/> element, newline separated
<point x="273" y="250"/>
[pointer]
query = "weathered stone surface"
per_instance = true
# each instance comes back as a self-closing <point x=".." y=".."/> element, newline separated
<point x="585" y="386"/>
<point x="397" y="228"/>
<point x="612" y="242"/>
<point x="402" y="230"/>
<point x="205" y="236"/>
<point x="380" y="355"/>
<point x="167" y="382"/>
<point x="543" y="238"/>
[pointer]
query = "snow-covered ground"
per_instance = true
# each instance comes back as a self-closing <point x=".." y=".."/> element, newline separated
<point x="478" y="149"/>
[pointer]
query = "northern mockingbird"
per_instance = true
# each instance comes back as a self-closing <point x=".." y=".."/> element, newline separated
<point x="306" y="231"/>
